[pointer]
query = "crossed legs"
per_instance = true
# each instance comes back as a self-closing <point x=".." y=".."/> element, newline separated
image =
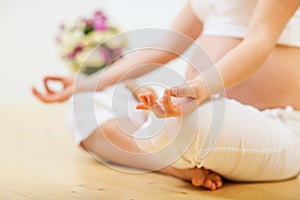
<point x="253" y="145"/>
<point x="113" y="145"/>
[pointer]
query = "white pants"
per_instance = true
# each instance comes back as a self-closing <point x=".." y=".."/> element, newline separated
<point x="237" y="141"/>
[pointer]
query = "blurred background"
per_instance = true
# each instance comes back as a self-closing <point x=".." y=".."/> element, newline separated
<point x="28" y="30"/>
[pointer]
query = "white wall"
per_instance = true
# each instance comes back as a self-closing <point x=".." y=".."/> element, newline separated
<point x="27" y="39"/>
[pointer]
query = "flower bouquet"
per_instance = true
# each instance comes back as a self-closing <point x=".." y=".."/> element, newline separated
<point x="85" y="44"/>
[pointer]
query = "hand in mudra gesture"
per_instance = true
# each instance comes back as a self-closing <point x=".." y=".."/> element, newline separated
<point x="177" y="101"/>
<point x="51" y="96"/>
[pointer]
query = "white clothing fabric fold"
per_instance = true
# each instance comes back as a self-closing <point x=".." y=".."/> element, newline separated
<point x="235" y="140"/>
<point x="231" y="18"/>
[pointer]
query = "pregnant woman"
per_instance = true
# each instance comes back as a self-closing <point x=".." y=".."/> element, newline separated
<point x="255" y="46"/>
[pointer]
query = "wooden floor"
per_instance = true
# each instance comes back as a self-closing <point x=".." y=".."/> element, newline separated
<point x="38" y="160"/>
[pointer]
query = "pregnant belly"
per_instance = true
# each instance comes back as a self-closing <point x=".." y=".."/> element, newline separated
<point x="275" y="84"/>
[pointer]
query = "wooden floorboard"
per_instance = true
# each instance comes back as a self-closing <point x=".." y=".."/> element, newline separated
<point x="39" y="161"/>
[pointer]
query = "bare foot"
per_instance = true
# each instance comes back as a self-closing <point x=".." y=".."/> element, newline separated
<point x="199" y="177"/>
<point x="205" y="178"/>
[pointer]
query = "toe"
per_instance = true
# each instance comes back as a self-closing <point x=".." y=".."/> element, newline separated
<point x="198" y="177"/>
<point x="205" y="178"/>
<point x="207" y="183"/>
<point x="215" y="178"/>
<point x="219" y="184"/>
<point x="213" y="186"/>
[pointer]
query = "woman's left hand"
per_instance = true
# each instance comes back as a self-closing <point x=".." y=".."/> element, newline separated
<point x="177" y="101"/>
<point x="167" y="106"/>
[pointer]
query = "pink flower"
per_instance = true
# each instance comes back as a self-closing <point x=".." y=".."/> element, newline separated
<point x="62" y="26"/>
<point x="100" y="21"/>
<point x="87" y="21"/>
<point x="106" y="55"/>
<point x="78" y="49"/>
<point x="99" y="15"/>
<point x="100" y="25"/>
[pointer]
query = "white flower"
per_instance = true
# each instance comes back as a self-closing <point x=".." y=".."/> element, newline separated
<point x="64" y="51"/>
<point x="98" y="36"/>
<point x="89" y="58"/>
<point x="69" y="40"/>
<point x="117" y="41"/>
<point x="77" y="41"/>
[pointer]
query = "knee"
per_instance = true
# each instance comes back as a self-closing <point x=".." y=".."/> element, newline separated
<point x="83" y="146"/>
<point x="89" y="143"/>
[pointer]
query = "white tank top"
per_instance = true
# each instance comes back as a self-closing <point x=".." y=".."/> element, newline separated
<point x="231" y="17"/>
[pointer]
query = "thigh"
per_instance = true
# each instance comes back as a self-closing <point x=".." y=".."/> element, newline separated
<point x="251" y="146"/>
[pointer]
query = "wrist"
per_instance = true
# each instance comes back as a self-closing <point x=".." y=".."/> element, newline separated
<point x="81" y="84"/>
<point x="212" y="81"/>
<point x="200" y="89"/>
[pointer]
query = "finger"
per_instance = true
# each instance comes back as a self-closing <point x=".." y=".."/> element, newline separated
<point x="55" y="78"/>
<point x="158" y="111"/>
<point x="143" y="99"/>
<point x="168" y="104"/>
<point x="148" y="97"/>
<point x="34" y="91"/>
<point x="142" y="106"/>
<point x="47" y="87"/>
<point x="63" y="80"/>
<point x="56" y="97"/>
<point x="156" y="108"/>
<point x="149" y="102"/>
<point x="151" y="99"/>
<point x="172" y="91"/>
<point x="38" y="95"/>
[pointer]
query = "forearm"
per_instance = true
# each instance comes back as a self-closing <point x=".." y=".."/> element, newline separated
<point x="262" y="34"/>
<point x="238" y="65"/>
<point x="244" y="60"/>
<point x="131" y="66"/>
<point x="184" y="30"/>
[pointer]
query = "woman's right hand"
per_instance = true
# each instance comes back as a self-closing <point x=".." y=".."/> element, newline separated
<point x="51" y="96"/>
